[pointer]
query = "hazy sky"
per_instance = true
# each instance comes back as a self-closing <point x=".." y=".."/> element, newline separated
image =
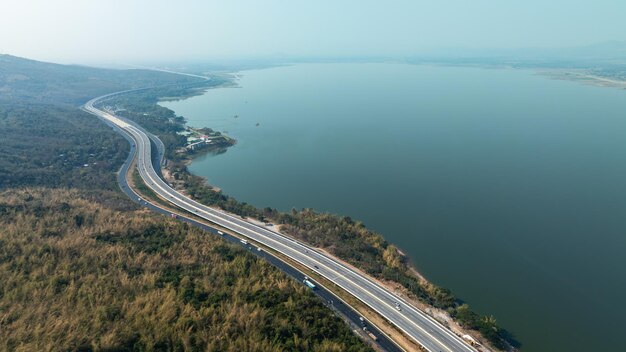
<point x="99" y="31"/>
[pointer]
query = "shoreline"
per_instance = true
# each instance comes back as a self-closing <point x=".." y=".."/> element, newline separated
<point x="584" y="77"/>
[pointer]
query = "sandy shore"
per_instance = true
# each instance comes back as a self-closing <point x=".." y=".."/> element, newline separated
<point x="585" y="77"/>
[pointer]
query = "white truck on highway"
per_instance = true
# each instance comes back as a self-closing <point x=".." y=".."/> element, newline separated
<point x="309" y="283"/>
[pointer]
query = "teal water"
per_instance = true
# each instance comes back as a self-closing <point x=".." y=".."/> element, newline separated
<point x="504" y="186"/>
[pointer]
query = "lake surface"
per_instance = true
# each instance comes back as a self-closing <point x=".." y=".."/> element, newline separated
<point x="504" y="186"/>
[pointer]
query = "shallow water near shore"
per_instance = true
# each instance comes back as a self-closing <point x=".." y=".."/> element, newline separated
<point x="504" y="186"/>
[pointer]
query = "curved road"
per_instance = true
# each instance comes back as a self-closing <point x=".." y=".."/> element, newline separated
<point x="414" y="323"/>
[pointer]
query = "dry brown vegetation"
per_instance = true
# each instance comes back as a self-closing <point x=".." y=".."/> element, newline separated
<point x="76" y="275"/>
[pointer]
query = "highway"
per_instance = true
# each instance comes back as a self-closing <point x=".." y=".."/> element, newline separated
<point x="414" y="323"/>
<point x="335" y="303"/>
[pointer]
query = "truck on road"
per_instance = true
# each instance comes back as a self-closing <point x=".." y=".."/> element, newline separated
<point x="309" y="283"/>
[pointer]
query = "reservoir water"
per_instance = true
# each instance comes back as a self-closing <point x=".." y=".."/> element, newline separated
<point x="507" y="187"/>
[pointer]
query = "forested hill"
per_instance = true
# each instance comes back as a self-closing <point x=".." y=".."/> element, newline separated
<point x="80" y="276"/>
<point x="34" y="81"/>
<point x="45" y="139"/>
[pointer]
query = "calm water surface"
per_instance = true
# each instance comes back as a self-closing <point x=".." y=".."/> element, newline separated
<point x="502" y="185"/>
